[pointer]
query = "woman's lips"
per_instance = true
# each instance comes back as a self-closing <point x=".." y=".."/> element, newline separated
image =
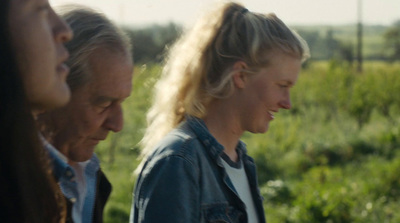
<point x="63" y="70"/>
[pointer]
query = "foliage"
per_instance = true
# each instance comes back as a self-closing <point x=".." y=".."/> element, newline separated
<point x="317" y="163"/>
<point x="329" y="42"/>
<point x="149" y="43"/>
<point x="392" y="41"/>
<point x="325" y="42"/>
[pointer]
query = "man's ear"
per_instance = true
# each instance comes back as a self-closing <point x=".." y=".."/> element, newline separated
<point x="239" y="77"/>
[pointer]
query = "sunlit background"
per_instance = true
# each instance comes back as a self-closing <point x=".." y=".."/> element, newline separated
<point x="295" y="12"/>
<point x="335" y="156"/>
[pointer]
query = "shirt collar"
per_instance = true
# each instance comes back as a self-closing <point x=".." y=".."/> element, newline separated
<point x="216" y="149"/>
<point x="61" y="168"/>
<point x="59" y="161"/>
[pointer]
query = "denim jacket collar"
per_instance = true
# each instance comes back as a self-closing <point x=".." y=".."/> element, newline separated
<point x="215" y="148"/>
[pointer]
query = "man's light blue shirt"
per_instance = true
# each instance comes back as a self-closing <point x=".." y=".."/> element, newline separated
<point x="66" y="177"/>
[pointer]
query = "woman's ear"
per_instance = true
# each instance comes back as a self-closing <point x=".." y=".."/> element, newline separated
<point x="239" y="77"/>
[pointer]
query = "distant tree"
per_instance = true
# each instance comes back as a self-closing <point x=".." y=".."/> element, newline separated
<point x="323" y="46"/>
<point x="332" y="44"/>
<point x="346" y="52"/>
<point x="149" y="43"/>
<point x="311" y="37"/>
<point x="392" y="41"/>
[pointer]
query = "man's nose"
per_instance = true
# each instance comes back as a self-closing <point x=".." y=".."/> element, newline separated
<point x="114" y="121"/>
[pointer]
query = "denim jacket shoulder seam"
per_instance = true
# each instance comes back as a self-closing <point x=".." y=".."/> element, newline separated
<point x="143" y="183"/>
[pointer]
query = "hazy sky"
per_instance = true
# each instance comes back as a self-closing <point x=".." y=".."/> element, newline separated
<point x="292" y="12"/>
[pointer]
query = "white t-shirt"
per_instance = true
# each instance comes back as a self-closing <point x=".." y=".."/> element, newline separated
<point x="239" y="179"/>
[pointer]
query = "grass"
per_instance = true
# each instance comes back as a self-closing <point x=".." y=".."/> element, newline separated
<point x="315" y="164"/>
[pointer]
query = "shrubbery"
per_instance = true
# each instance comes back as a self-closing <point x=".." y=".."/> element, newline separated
<point x="333" y="158"/>
<point x="337" y="157"/>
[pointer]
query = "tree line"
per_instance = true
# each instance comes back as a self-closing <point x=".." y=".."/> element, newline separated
<point x="325" y="42"/>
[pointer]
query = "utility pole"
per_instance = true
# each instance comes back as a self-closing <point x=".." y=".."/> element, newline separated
<point x="359" y="37"/>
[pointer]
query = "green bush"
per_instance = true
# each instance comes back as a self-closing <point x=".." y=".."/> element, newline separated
<point x="333" y="158"/>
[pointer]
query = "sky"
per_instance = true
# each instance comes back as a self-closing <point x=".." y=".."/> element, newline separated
<point x="292" y="12"/>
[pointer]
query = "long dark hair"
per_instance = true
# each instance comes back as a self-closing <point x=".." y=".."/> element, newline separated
<point x="28" y="193"/>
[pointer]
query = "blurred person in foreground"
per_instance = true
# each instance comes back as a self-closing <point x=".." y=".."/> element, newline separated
<point x="100" y="80"/>
<point x="32" y="79"/>
<point x="230" y="74"/>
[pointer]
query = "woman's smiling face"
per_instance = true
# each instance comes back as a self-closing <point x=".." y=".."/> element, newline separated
<point x="267" y="91"/>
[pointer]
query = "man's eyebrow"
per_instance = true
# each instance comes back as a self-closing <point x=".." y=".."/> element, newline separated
<point x="103" y="99"/>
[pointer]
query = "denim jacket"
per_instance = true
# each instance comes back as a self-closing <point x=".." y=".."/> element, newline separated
<point x="184" y="181"/>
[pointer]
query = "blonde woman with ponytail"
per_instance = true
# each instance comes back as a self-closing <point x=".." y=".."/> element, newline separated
<point x="226" y="76"/>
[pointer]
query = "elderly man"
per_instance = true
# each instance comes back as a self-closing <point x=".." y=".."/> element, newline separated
<point x="100" y="80"/>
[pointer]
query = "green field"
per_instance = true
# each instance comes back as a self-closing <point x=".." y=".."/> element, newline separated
<point x="324" y="40"/>
<point x="333" y="158"/>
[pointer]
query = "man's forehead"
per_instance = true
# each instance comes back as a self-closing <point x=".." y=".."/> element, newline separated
<point x="104" y="92"/>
